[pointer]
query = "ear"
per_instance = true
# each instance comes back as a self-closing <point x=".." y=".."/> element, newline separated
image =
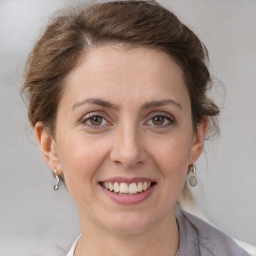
<point x="48" y="146"/>
<point x="198" y="140"/>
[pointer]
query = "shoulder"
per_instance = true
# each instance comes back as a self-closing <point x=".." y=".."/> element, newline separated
<point x="199" y="238"/>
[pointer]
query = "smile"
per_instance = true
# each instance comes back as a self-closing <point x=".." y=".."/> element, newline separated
<point x="128" y="191"/>
<point x="125" y="188"/>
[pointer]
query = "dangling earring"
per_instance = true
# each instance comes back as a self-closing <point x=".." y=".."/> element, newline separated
<point x="191" y="177"/>
<point x="56" y="186"/>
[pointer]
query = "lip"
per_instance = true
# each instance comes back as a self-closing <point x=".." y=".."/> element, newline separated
<point x="128" y="199"/>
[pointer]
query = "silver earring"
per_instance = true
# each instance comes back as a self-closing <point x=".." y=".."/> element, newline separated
<point x="191" y="177"/>
<point x="57" y="185"/>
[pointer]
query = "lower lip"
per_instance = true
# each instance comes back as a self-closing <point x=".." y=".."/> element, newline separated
<point x="132" y="199"/>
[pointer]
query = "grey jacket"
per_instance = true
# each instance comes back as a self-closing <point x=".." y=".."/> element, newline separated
<point x="197" y="238"/>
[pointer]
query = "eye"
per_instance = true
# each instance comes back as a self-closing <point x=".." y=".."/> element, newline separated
<point x="161" y="120"/>
<point x="158" y="120"/>
<point x="95" y="121"/>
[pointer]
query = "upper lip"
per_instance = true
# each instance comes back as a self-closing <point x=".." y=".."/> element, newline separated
<point x="127" y="180"/>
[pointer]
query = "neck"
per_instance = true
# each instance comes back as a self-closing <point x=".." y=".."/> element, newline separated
<point x="160" y="239"/>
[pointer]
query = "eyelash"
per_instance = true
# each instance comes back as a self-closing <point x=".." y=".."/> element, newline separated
<point x="168" y="120"/>
<point x="89" y="117"/>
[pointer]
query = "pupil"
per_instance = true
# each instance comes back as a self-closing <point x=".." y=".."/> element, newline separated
<point x="96" y="120"/>
<point x="158" y="120"/>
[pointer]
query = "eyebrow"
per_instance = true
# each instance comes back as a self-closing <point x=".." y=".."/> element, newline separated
<point x="160" y="103"/>
<point x="107" y="104"/>
<point x="95" y="101"/>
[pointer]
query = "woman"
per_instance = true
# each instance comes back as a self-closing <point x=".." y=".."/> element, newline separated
<point x="118" y="99"/>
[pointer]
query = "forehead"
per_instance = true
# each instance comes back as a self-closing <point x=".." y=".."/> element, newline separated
<point x="109" y="70"/>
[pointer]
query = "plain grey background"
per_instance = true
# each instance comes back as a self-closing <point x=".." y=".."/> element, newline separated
<point x="35" y="220"/>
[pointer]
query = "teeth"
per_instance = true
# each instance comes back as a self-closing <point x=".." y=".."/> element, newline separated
<point x="116" y="187"/>
<point x="140" y="187"/>
<point x="110" y="186"/>
<point x="124" y="188"/>
<point x="145" y="185"/>
<point x="133" y="188"/>
<point x="106" y="185"/>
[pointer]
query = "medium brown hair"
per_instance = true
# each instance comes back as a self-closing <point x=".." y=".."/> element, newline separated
<point x="74" y="31"/>
<point x="136" y="23"/>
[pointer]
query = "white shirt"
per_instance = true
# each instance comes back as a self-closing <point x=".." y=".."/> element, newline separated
<point x="73" y="247"/>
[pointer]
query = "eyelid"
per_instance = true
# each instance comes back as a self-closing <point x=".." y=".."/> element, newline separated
<point x="95" y="113"/>
<point x="101" y="114"/>
<point x="168" y="116"/>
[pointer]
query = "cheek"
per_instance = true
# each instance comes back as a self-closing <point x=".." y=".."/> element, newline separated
<point x="174" y="152"/>
<point x="80" y="161"/>
<point x="172" y="157"/>
<point x="80" y="158"/>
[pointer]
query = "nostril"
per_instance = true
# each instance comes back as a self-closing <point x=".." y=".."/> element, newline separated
<point x="128" y="165"/>
<point x="118" y="163"/>
<point x="127" y="150"/>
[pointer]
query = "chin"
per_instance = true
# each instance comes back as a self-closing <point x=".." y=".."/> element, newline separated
<point x="129" y="223"/>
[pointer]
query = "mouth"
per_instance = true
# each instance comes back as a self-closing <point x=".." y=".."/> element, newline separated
<point x="127" y="189"/>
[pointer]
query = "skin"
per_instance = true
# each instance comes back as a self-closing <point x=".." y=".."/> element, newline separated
<point x="127" y="139"/>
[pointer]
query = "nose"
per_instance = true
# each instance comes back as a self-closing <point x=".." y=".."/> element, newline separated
<point x="128" y="149"/>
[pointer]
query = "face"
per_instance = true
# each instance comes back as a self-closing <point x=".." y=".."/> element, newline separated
<point x="124" y="137"/>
